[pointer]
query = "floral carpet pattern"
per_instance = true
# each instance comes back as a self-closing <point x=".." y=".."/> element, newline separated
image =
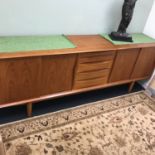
<point x="119" y="126"/>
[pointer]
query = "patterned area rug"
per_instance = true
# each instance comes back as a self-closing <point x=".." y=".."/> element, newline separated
<point x="119" y="126"/>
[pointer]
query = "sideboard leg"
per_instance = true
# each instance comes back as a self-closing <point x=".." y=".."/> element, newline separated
<point x="29" y="109"/>
<point x="131" y="86"/>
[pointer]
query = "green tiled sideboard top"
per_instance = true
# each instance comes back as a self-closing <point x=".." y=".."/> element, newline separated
<point x="138" y="38"/>
<point x="31" y="43"/>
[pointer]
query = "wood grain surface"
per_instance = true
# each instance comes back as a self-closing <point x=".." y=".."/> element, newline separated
<point x="25" y="78"/>
<point x="145" y="63"/>
<point x="19" y="79"/>
<point x="124" y="64"/>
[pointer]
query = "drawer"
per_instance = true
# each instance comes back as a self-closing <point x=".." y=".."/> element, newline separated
<point x="92" y="75"/>
<point x="96" y="57"/>
<point x="96" y="54"/>
<point x="90" y="83"/>
<point x="95" y="66"/>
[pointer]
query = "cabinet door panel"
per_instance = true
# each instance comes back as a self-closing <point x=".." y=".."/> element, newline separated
<point x="19" y="79"/>
<point x="145" y="63"/>
<point x="123" y="65"/>
<point x="57" y="73"/>
<point x="27" y="78"/>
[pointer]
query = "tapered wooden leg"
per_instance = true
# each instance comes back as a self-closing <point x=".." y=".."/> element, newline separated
<point x="2" y="148"/>
<point x="29" y="109"/>
<point x="131" y="86"/>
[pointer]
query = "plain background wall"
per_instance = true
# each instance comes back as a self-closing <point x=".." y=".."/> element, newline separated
<point x="150" y="24"/>
<point x="32" y="17"/>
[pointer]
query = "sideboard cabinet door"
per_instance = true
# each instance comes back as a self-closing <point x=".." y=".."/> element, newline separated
<point x="123" y="65"/>
<point x="145" y="63"/>
<point x="57" y="74"/>
<point x="28" y="78"/>
<point x="19" y="79"/>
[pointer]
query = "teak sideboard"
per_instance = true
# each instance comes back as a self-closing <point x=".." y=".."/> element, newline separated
<point x="95" y="63"/>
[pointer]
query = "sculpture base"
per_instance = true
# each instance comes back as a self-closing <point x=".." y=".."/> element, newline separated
<point x="117" y="36"/>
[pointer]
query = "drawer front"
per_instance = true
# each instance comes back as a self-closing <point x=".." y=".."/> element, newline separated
<point x="93" y="69"/>
<point x="90" y="82"/>
<point x="96" y="57"/>
<point x="86" y="67"/>
<point x="92" y="74"/>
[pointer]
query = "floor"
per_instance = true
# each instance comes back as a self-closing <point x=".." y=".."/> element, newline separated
<point x="17" y="113"/>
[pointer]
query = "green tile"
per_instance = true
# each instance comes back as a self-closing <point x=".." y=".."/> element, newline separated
<point x="138" y="38"/>
<point x="32" y="43"/>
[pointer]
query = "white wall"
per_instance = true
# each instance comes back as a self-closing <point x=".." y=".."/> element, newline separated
<point x="26" y="17"/>
<point x="150" y="24"/>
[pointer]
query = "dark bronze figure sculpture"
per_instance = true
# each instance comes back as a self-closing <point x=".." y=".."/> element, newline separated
<point x="127" y="13"/>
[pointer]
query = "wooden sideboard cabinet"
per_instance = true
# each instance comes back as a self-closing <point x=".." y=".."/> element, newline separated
<point x="30" y="77"/>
